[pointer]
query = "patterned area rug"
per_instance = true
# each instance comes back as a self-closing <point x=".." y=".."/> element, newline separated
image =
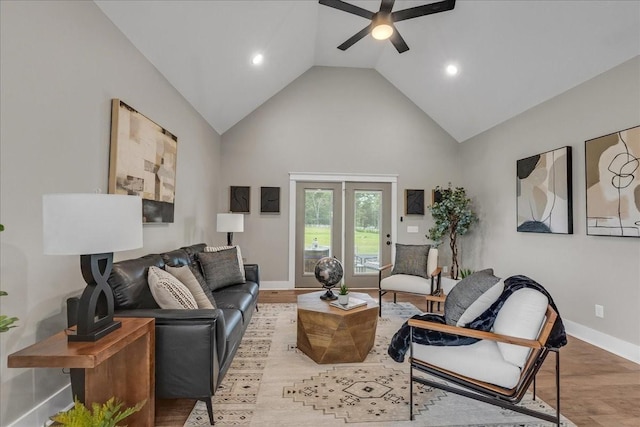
<point x="271" y="383"/>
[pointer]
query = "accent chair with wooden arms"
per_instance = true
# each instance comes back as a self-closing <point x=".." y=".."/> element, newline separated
<point x="499" y="368"/>
<point x="415" y="271"/>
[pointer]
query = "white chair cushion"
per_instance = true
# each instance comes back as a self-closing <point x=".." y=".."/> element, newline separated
<point x="481" y="361"/>
<point x="481" y="304"/>
<point x="432" y="261"/>
<point x="521" y="316"/>
<point x="406" y="283"/>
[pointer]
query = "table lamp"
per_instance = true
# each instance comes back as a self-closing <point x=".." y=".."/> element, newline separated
<point x="93" y="226"/>
<point x="230" y="223"/>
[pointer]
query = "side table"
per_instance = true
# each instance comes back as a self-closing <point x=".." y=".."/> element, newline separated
<point x="121" y="365"/>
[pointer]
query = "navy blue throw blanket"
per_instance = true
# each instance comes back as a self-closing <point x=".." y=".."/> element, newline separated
<point x="400" y="342"/>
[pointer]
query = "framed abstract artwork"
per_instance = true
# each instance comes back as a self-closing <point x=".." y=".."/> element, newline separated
<point x="142" y="162"/>
<point x="269" y="199"/>
<point x="544" y="193"/>
<point x="612" y="168"/>
<point x="414" y="202"/>
<point x="239" y="198"/>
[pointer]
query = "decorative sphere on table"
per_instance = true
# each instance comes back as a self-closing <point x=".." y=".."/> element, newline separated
<point x="329" y="272"/>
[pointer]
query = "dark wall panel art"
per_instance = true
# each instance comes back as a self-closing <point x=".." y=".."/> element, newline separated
<point x="612" y="165"/>
<point x="544" y="193"/>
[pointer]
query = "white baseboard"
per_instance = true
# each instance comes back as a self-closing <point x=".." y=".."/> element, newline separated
<point x="39" y="415"/>
<point x="276" y="285"/>
<point x="606" y="342"/>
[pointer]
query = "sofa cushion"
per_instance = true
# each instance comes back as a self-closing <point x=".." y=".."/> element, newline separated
<point x="521" y="316"/>
<point x="411" y="260"/>
<point x="224" y="248"/>
<point x="168" y="291"/>
<point x="128" y="281"/>
<point x="176" y="258"/>
<point x="185" y="275"/>
<point x="227" y="298"/>
<point x="221" y="268"/>
<point x="247" y="287"/>
<point x="469" y="290"/>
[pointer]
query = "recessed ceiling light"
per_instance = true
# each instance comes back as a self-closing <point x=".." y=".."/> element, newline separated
<point x="452" y="70"/>
<point x="257" y="59"/>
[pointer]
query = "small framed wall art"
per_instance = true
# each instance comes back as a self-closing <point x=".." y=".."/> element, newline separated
<point x="142" y="162"/>
<point x="612" y="167"/>
<point x="269" y="199"/>
<point x="414" y="202"/>
<point x="239" y="199"/>
<point x="544" y="193"/>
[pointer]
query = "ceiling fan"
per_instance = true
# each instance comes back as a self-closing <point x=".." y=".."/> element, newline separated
<point x="381" y="26"/>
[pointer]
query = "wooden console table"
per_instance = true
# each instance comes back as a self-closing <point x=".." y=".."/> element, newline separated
<point x="121" y="365"/>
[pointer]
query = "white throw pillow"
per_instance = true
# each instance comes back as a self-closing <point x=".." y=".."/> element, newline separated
<point x="186" y="277"/>
<point x="481" y="304"/>
<point x="168" y="291"/>
<point x="521" y="316"/>
<point x="224" y="248"/>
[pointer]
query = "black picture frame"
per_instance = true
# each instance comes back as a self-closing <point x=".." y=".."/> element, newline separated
<point x="544" y="192"/>
<point x="414" y="202"/>
<point x="269" y="199"/>
<point x="239" y="199"/>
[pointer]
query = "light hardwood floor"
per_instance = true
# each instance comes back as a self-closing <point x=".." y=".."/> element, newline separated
<point x="598" y="388"/>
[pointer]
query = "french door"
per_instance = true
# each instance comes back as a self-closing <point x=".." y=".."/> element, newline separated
<point x="348" y="220"/>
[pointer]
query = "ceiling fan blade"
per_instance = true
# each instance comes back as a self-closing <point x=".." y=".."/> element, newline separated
<point x="386" y="6"/>
<point x="423" y="10"/>
<point x="349" y="8"/>
<point x="356" y="37"/>
<point x="398" y="41"/>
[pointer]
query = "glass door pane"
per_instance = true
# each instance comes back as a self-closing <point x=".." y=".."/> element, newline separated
<point x="367" y="218"/>
<point x="318" y="223"/>
<point x="367" y="232"/>
<point x="318" y="228"/>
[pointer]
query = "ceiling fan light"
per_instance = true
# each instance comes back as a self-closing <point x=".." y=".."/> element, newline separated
<point x="382" y="31"/>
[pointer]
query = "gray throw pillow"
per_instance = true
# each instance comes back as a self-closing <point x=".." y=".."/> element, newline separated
<point x="412" y="260"/>
<point x="468" y="291"/>
<point x="221" y="268"/>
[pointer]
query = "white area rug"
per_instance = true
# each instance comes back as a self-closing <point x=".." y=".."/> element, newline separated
<point x="271" y="383"/>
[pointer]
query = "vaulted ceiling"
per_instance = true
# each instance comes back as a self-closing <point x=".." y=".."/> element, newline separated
<point x="511" y="55"/>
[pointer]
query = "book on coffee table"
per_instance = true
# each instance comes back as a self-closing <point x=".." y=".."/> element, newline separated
<point x="353" y="303"/>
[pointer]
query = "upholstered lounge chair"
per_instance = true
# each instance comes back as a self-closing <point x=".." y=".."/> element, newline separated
<point x="422" y="278"/>
<point x="499" y="368"/>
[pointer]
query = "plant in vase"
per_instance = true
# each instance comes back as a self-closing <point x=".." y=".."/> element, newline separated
<point x="453" y="217"/>
<point x="343" y="295"/>
<point x="106" y="415"/>
<point x="6" y="322"/>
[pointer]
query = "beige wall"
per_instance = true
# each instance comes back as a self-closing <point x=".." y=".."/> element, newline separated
<point x="61" y="64"/>
<point x="330" y="120"/>
<point x="579" y="270"/>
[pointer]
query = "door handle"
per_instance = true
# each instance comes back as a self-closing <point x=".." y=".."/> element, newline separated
<point x="388" y="242"/>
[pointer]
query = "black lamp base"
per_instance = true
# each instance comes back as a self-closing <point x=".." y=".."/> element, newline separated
<point x="95" y="335"/>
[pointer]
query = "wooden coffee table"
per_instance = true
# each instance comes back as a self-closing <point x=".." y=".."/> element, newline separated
<point x="331" y="335"/>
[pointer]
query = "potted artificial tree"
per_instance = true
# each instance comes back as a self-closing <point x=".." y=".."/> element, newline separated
<point x="453" y="216"/>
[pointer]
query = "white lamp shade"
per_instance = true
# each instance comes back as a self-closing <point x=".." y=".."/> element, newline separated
<point x="85" y="224"/>
<point x="230" y="223"/>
